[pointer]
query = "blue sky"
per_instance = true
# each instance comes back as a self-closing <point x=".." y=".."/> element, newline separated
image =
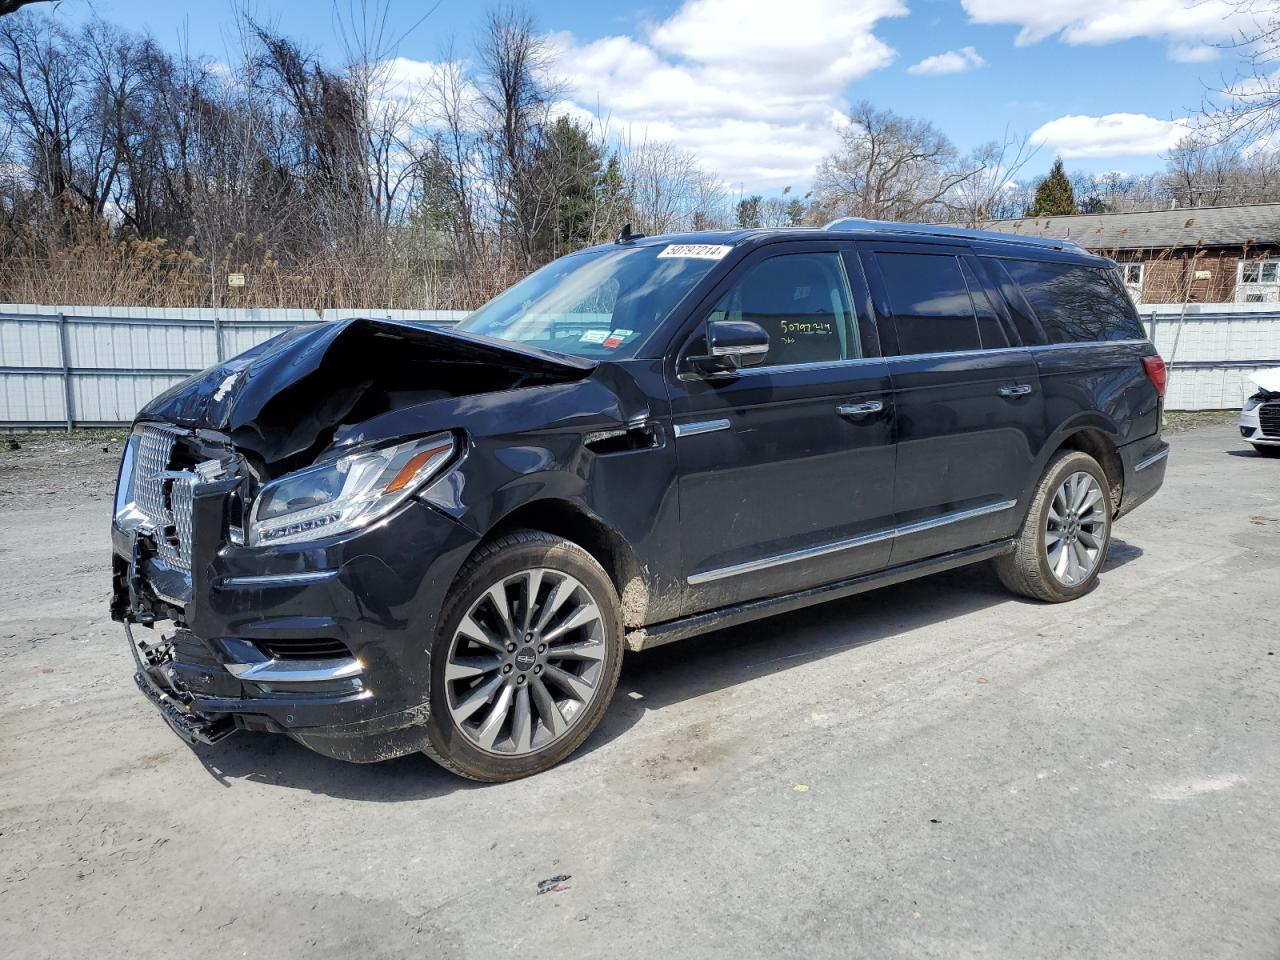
<point x="756" y="87"/>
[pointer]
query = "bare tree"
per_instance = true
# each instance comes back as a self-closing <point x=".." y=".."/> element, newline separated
<point x="1246" y="108"/>
<point x="986" y="194"/>
<point x="891" y="167"/>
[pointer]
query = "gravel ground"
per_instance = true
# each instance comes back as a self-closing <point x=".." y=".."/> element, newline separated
<point x="933" y="770"/>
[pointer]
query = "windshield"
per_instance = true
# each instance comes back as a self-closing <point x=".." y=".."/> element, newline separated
<point x="602" y="303"/>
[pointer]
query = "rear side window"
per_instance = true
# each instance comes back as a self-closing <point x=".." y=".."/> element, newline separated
<point x="1076" y="303"/>
<point x="932" y="307"/>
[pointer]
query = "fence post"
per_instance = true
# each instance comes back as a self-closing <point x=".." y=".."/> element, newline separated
<point x="64" y="351"/>
<point x="217" y="336"/>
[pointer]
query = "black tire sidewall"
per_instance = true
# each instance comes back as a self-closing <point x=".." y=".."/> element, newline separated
<point x="1074" y="462"/>
<point x="451" y="745"/>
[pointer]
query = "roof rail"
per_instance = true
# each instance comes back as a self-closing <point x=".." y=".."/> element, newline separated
<point x="859" y="225"/>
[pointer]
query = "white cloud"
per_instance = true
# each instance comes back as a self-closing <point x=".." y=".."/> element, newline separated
<point x="1112" y="135"/>
<point x="1187" y="24"/>
<point x="953" y="61"/>
<point x="751" y="89"/>
<point x="1193" y="52"/>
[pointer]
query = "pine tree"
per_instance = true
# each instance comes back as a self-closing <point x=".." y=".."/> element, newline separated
<point x="1054" y="196"/>
<point x="749" y="211"/>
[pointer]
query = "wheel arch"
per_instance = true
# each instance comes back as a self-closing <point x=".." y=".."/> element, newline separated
<point x="564" y="518"/>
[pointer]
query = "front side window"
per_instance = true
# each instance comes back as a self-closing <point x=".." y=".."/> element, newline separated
<point x="599" y="303"/>
<point x="1076" y="303"/>
<point x="802" y="301"/>
<point x="932" y="309"/>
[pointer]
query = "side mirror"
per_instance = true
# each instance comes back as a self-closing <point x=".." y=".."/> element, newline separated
<point x="731" y="345"/>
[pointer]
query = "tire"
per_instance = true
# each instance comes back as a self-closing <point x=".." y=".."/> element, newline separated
<point x="1029" y="569"/>
<point x="1267" y="450"/>
<point x="497" y="688"/>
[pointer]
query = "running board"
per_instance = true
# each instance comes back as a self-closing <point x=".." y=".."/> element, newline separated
<point x="655" y="635"/>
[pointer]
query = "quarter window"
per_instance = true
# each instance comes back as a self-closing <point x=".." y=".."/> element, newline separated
<point x="802" y="301"/>
<point x="1076" y="303"/>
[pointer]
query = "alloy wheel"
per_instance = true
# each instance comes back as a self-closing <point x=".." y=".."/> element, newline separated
<point x="1076" y="529"/>
<point x="525" y="662"/>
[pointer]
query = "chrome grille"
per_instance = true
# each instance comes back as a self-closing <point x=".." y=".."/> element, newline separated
<point x="1269" y="419"/>
<point x="165" y="496"/>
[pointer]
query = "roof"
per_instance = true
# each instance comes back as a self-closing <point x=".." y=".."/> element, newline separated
<point x="897" y="228"/>
<point x="1251" y="224"/>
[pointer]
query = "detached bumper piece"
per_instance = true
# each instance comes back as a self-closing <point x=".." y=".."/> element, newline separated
<point x="156" y="678"/>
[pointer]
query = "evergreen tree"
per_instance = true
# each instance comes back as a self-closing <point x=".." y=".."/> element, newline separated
<point x="1054" y="196"/>
<point x="749" y="211"/>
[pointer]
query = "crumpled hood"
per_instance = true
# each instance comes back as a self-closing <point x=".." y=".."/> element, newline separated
<point x="279" y="398"/>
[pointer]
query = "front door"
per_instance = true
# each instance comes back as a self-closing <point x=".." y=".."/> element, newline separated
<point x="970" y="411"/>
<point x="786" y="469"/>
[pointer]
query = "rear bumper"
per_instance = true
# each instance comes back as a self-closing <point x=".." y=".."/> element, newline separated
<point x="1145" y="462"/>
<point x="370" y="600"/>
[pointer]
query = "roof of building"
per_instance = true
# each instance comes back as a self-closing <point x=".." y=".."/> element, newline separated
<point x="1251" y="224"/>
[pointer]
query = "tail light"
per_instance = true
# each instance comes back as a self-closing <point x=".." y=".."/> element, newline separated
<point x="1157" y="373"/>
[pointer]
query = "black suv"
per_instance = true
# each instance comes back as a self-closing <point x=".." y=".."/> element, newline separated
<point x="381" y="537"/>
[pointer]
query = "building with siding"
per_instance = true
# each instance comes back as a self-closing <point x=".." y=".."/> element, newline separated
<point x="1183" y="255"/>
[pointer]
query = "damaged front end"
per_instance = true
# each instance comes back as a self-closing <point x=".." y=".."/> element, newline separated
<point x="281" y="554"/>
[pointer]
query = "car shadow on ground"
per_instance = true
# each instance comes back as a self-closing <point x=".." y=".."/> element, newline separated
<point x="1250" y="454"/>
<point x="650" y="680"/>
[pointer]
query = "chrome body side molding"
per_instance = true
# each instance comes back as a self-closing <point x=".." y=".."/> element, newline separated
<point x="1152" y="460"/>
<point x="700" y="426"/>
<point x="810" y="553"/>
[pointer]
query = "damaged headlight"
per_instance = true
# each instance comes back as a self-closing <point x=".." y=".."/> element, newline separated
<point x="348" y="493"/>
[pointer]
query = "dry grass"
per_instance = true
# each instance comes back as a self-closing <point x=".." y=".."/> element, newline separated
<point x="154" y="273"/>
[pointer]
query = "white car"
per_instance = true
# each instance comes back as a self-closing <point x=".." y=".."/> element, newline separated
<point x="1260" y="418"/>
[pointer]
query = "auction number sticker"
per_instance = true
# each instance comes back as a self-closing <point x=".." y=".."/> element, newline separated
<point x="695" y="251"/>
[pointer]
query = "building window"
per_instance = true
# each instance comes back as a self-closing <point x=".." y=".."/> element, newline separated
<point x="1132" y="273"/>
<point x="1259" y="271"/>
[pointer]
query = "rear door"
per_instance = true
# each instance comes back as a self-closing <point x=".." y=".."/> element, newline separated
<point x="970" y="412"/>
<point x="786" y="469"/>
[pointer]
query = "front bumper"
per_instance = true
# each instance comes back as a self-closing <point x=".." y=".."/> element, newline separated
<point x="373" y="596"/>
<point x="1251" y="428"/>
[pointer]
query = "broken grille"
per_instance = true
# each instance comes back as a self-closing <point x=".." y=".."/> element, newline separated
<point x="165" y="496"/>
<point x="1269" y="418"/>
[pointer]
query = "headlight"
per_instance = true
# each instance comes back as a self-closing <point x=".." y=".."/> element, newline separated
<point x="124" y="482"/>
<point x="1252" y="403"/>
<point x="346" y="494"/>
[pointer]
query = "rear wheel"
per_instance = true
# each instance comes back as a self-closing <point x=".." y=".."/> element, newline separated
<point x="1267" y="450"/>
<point x="1064" y="538"/>
<point x="526" y="660"/>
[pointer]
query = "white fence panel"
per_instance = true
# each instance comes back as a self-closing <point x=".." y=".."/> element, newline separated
<point x="98" y="365"/>
<point x="1211" y="349"/>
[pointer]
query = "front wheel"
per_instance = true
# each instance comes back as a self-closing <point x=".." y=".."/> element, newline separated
<point x="526" y="659"/>
<point x="1064" y="538"/>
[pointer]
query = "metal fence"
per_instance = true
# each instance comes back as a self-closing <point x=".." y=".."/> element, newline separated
<point x="1211" y="349"/>
<point x="96" y="366"/>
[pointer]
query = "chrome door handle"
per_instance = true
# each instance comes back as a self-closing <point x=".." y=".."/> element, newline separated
<point x="859" y="409"/>
<point x="1019" y="390"/>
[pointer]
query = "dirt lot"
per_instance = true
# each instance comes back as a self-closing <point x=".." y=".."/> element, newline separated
<point x="934" y="770"/>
